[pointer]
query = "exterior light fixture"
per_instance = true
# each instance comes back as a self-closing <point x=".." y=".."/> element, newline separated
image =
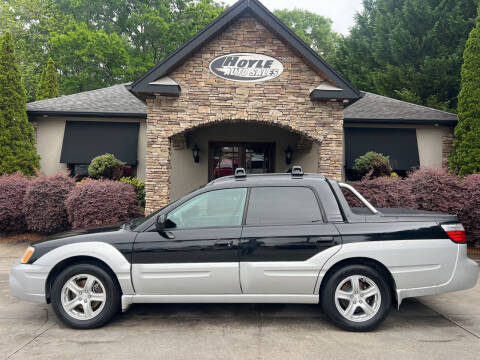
<point x="195" y="151"/>
<point x="288" y="155"/>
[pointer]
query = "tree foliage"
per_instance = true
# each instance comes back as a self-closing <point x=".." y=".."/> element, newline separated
<point x="17" y="150"/>
<point x="377" y="164"/>
<point x="313" y="29"/>
<point x="408" y="49"/>
<point x="48" y="85"/>
<point x="466" y="157"/>
<point x="106" y="166"/>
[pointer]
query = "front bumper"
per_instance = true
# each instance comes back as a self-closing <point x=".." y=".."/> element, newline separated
<point x="465" y="276"/>
<point x="27" y="281"/>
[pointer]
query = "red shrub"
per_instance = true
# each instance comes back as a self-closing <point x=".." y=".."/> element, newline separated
<point x="12" y="192"/>
<point x="470" y="207"/>
<point x="383" y="192"/>
<point x="101" y="202"/>
<point x="44" y="203"/>
<point x="436" y="189"/>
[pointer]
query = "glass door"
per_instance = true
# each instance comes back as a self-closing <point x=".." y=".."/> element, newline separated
<point x="225" y="158"/>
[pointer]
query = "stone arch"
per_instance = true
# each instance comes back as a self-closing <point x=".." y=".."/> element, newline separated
<point x="178" y="137"/>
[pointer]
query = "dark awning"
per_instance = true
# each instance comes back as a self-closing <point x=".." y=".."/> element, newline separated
<point x="399" y="144"/>
<point x="83" y="140"/>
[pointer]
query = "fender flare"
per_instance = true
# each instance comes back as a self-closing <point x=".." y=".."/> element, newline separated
<point x="104" y="252"/>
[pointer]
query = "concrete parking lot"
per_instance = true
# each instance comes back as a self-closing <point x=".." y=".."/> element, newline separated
<point x="438" y="327"/>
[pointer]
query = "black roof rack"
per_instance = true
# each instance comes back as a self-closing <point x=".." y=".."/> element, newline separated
<point x="240" y="173"/>
<point x="297" y="171"/>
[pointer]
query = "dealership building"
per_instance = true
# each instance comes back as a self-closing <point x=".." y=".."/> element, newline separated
<point x="243" y="92"/>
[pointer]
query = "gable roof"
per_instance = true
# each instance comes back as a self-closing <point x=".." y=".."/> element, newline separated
<point x="145" y="84"/>
<point x="112" y="101"/>
<point x="373" y="108"/>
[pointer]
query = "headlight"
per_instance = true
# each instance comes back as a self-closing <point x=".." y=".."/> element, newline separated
<point x="27" y="255"/>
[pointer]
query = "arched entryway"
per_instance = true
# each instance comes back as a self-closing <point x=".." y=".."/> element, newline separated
<point x="259" y="147"/>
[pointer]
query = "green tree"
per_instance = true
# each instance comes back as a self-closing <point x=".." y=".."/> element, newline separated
<point x="408" y="49"/>
<point x="48" y="85"/>
<point x="313" y="29"/>
<point x="154" y="28"/>
<point x="31" y="23"/>
<point x="17" y="144"/>
<point x="89" y="59"/>
<point x="466" y="157"/>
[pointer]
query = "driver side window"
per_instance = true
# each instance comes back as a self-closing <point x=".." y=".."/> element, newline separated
<point x="211" y="209"/>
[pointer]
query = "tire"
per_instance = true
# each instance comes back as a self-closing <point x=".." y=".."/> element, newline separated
<point x="84" y="296"/>
<point x="348" y="308"/>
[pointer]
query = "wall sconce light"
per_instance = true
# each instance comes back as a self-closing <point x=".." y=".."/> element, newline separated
<point x="195" y="151"/>
<point x="288" y="155"/>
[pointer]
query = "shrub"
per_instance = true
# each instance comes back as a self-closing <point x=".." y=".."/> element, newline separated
<point x="44" y="203"/>
<point x="377" y="163"/>
<point x="101" y="202"/>
<point x="12" y="192"/>
<point x="139" y="189"/>
<point x="106" y="166"/>
<point x="436" y="189"/>
<point x="383" y="192"/>
<point x="470" y="211"/>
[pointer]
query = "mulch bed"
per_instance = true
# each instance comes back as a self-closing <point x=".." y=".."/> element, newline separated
<point x="26" y="237"/>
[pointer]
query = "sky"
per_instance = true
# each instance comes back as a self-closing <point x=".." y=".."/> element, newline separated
<point x="340" y="11"/>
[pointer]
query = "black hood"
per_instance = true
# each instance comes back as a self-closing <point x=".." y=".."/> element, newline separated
<point x="120" y="237"/>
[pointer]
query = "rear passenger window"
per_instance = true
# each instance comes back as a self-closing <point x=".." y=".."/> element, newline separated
<point x="282" y="205"/>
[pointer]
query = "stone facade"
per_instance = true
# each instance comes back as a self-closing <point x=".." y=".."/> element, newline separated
<point x="447" y="144"/>
<point x="206" y="99"/>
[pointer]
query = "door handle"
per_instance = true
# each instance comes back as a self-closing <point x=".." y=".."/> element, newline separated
<point x="168" y="235"/>
<point x="224" y="243"/>
<point x="325" y="240"/>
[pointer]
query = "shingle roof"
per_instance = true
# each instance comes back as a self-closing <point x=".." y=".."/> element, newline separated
<point x="114" y="100"/>
<point x="118" y="101"/>
<point x="376" y="108"/>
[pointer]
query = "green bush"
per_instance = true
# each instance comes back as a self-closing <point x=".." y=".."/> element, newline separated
<point x="139" y="189"/>
<point x="377" y="164"/>
<point x="106" y="166"/>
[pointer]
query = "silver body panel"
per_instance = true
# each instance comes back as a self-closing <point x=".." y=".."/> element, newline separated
<point x="418" y="267"/>
<point x="186" y="278"/>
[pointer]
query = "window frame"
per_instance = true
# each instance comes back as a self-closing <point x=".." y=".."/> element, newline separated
<point x="323" y="219"/>
<point x="213" y="227"/>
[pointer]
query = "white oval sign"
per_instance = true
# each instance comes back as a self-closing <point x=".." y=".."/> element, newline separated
<point x="246" y="67"/>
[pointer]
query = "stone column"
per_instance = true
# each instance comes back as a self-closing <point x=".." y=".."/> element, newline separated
<point x="330" y="149"/>
<point x="447" y="144"/>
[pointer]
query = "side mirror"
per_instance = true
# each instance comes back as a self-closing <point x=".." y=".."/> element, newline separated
<point x="161" y="223"/>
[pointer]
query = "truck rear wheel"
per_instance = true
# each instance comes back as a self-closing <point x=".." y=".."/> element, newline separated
<point x="356" y="298"/>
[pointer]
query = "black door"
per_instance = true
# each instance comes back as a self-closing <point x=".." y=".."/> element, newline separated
<point x="283" y="240"/>
<point x="198" y="252"/>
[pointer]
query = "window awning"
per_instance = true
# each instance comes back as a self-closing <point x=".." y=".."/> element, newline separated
<point x="399" y="144"/>
<point x="84" y="140"/>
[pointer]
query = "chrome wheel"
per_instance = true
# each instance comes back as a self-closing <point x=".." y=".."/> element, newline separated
<point x="358" y="298"/>
<point x="83" y="297"/>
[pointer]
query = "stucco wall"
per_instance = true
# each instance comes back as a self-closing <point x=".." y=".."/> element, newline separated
<point x="49" y="140"/>
<point x="206" y="99"/>
<point x="187" y="175"/>
<point x="429" y="139"/>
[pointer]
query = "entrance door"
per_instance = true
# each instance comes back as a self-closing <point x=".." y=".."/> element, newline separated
<point x="225" y="158"/>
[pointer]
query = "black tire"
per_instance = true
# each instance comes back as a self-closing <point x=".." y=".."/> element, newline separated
<point x="112" y="302"/>
<point x="329" y="304"/>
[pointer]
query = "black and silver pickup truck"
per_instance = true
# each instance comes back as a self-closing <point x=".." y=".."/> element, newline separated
<point x="274" y="238"/>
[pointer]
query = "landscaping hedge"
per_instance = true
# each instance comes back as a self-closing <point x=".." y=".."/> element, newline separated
<point x="44" y="203"/>
<point x="12" y="192"/>
<point x="101" y="202"/>
<point x="432" y="189"/>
